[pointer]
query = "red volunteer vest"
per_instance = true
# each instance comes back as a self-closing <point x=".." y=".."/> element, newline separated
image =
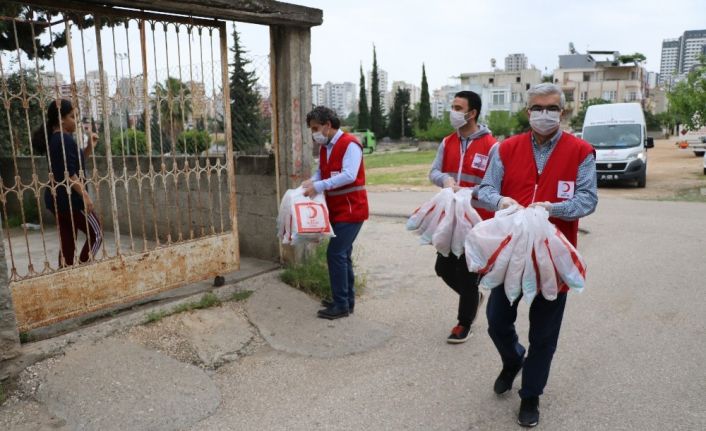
<point x="475" y="162"/>
<point x="556" y="183"/>
<point x="348" y="203"/>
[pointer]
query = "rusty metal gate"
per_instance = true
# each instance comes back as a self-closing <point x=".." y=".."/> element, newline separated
<point x="155" y="90"/>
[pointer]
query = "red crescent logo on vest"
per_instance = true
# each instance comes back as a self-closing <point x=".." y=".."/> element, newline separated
<point x="312" y="212"/>
<point x="567" y="187"/>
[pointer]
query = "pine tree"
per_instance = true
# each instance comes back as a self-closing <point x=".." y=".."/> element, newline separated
<point x="377" y="120"/>
<point x="399" y="115"/>
<point x="246" y="121"/>
<point x="363" y="112"/>
<point x="424" y="104"/>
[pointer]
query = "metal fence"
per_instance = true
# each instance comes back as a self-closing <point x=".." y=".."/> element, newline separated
<point x="155" y="90"/>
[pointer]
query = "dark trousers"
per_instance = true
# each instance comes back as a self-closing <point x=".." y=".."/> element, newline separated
<point x="456" y="275"/>
<point x="544" y="325"/>
<point x="70" y="223"/>
<point x="340" y="264"/>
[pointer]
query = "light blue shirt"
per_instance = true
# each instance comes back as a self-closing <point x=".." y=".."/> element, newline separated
<point x="585" y="197"/>
<point x="351" y="163"/>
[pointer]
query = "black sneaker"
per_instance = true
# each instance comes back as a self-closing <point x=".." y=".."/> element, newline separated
<point x="328" y="303"/>
<point x="529" y="412"/>
<point x="459" y="334"/>
<point x="332" y="313"/>
<point x="504" y="381"/>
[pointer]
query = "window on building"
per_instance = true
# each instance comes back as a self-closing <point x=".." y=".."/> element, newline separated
<point x="491" y="80"/>
<point x="517" y="79"/>
<point x="609" y="95"/>
<point x="498" y="98"/>
<point x="632" y="96"/>
<point x="516" y="97"/>
<point x="583" y="96"/>
<point x="569" y="95"/>
<point x="586" y="76"/>
<point x="527" y="86"/>
<point x="633" y="75"/>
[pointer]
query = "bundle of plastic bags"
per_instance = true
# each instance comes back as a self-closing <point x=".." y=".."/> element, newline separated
<point x="302" y="218"/>
<point x="445" y="220"/>
<point x="523" y="250"/>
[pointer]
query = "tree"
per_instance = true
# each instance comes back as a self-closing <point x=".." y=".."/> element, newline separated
<point x="17" y="123"/>
<point x="424" y="113"/>
<point x="363" y="112"/>
<point x="377" y="119"/>
<point x="687" y="100"/>
<point x="635" y="58"/>
<point x="436" y="130"/>
<point x="576" y="121"/>
<point x="351" y="121"/>
<point x="44" y="44"/>
<point x="194" y="141"/>
<point x="501" y="123"/>
<point x="129" y="142"/>
<point x="399" y="115"/>
<point x="521" y="122"/>
<point x="246" y="119"/>
<point x="173" y="112"/>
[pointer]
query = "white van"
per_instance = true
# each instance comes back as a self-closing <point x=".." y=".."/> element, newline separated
<point x="618" y="134"/>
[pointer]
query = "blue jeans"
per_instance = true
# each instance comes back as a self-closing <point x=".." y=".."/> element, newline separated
<point x="340" y="264"/>
<point x="544" y="325"/>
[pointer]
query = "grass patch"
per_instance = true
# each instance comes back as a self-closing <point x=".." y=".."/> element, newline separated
<point x="208" y="300"/>
<point x="156" y="316"/>
<point x="694" y="194"/>
<point x="416" y="177"/>
<point x="26" y="337"/>
<point x="311" y="276"/>
<point x="386" y="160"/>
<point x="241" y="296"/>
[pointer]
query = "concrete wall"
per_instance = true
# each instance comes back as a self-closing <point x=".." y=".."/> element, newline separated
<point x="9" y="338"/>
<point x="191" y="207"/>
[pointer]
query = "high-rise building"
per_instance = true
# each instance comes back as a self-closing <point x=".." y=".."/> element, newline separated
<point x="501" y="90"/>
<point x="341" y="97"/>
<point x="382" y="88"/>
<point x="441" y="99"/>
<point x="414" y="92"/>
<point x="317" y="95"/>
<point x="515" y="62"/>
<point x="680" y="55"/>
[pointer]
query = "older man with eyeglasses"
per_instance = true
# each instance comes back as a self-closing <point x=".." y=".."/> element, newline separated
<point x="557" y="171"/>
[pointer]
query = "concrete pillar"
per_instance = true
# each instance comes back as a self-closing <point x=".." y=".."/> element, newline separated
<point x="290" y="72"/>
<point x="9" y="338"/>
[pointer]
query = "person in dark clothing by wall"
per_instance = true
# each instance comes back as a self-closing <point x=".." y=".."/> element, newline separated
<point x="67" y="197"/>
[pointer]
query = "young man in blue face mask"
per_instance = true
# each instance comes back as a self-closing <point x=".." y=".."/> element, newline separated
<point x="557" y="171"/>
<point x="341" y="177"/>
<point x="461" y="161"/>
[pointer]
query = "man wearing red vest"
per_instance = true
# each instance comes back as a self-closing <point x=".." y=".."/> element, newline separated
<point x="341" y="177"/>
<point x="461" y="161"/>
<point x="557" y="171"/>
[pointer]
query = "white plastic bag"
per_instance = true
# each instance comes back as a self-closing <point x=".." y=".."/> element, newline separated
<point x="441" y="238"/>
<point x="302" y="218"/>
<point x="466" y="218"/>
<point x="568" y="262"/>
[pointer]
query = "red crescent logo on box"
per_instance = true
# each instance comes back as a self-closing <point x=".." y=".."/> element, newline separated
<point x="312" y="212"/>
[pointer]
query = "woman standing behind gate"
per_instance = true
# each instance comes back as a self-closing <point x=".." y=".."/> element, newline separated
<point x="74" y="207"/>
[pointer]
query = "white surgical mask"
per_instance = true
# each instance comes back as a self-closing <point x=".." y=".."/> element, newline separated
<point x="457" y="119"/>
<point x="544" y="122"/>
<point x="320" y="138"/>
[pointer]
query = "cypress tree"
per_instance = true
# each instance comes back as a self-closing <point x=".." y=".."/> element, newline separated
<point x="246" y="121"/>
<point x="424" y="104"/>
<point x="363" y="112"/>
<point x="377" y="120"/>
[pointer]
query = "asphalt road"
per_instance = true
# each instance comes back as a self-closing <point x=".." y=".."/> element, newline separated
<point x="631" y="355"/>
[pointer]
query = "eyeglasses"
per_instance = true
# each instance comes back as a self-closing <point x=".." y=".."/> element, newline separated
<point x="540" y="108"/>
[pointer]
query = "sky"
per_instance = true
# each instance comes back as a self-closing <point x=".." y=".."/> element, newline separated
<point x="457" y="36"/>
<point x="449" y="36"/>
